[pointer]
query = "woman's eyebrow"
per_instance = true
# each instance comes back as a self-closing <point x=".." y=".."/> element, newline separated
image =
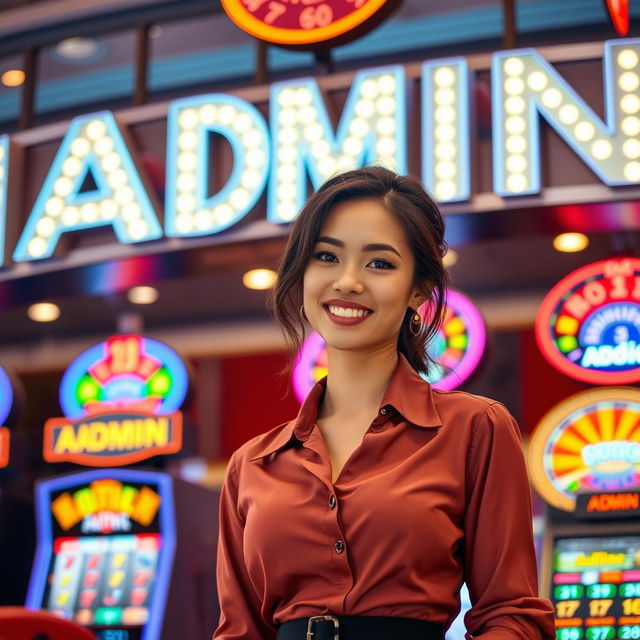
<point x="375" y="246"/>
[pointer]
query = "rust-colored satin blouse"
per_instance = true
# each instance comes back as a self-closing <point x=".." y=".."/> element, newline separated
<point x="436" y="493"/>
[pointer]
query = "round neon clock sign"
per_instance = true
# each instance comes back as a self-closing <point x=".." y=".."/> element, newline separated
<point x="457" y="349"/>
<point x="588" y="443"/>
<point x="307" y="23"/>
<point x="123" y="373"/>
<point x="588" y="326"/>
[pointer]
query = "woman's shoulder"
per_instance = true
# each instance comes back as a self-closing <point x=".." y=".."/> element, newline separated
<point x="454" y="404"/>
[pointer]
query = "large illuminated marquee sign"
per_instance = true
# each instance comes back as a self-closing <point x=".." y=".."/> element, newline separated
<point x="121" y="400"/>
<point x="457" y="349"/>
<point x="306" y="23"/>
<point x="297" y="136"/>
<point x="588" y="443"/>
<point x="588" y="326"/>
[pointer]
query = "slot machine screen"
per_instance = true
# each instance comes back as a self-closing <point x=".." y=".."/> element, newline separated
<point x="595" y="586"/>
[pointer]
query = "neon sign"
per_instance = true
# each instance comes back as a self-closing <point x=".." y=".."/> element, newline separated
<point x="6" y="404"/>
<point x="587" y="443"/>
<point x="457" y="349"/>
<point x="619" y="13"/>
<point x="94" y="182"/>
<point x="121" y="399"/>
<point x="308" y="22"/>
<point x="588" y="326"/>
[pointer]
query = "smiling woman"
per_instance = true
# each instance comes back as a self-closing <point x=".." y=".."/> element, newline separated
<point x="363" y="515"/>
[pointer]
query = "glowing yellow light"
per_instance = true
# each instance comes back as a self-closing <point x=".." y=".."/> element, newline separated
<point x="369" y="89"/>
<point x="630" y="103"/>
<point x="187" y="140"/>
<point x="537" y="81"/>
<point x="103" y="146"/>
<point x="312" y="132"/>
<point x="385" y="105"/>
<point x="513" y="66"/>
<point x="71" y="166"/>
<point x="445" y="190"/>
<point x="89" y="212"/>
<point x="184" y="222"/>
<point x="515" y="125"/>
<point x="187" y="161"/>
<point x="516" y="183"/>
<point x="450" y="258"/>
<point x="54" y="206"/>
<point x="386" y="84"/>
<point x="513" y="86"/>
<point x="445" y="170"/>
<point x="303" y="97"/>
<point x="287" y="172"/>
<point x="70" y="216"/>
<point x="631" y="148"/>
<point x="444" y="76"/>
<point x="516" y="164"/>
<point x="570" y="242"/>
<point x="386" y="146"/>
<point x="239" y="198"/>
<point x="204" y="220"/>
<point x="308" y="115"/>
<point x="259" y="279"/>
<point x="257" y="157"/>
<point x="516" y="144"/>
<point x="445" y="151"/>
<point x="327" y="166"/>
<point x="627" y="58"/>
<point x="444" y="96"/>
<point x="631" y="126"/>
<point x="285" y="154"/>
<point x="62" y="186"/>
<point x="632" y="171"/>
<point x="569" y="114"/>
<point x="45" y="227"/>
<point x="444" y="115"/>
<point x="287" y="98"/>
<point x="365" y="108"/>
<point x="352" y="146"/>
<point x="584" y="131"/>
<point x="551" y="98"/>
<point x="13" y="78"/>
<point x="80" y="147"/>
<point x="360" y="127"/>
<point x="108" y="208"/>
<point x="138" y="229"/>
<point x="188" y="119"/>
<point x="629" y="81"/>
<point x="37" y="246"/>
<point x="186" y="182"/>
<point x="185" y="203"/>
<point x="142" y="295"/>
<point x="242" y="123"/>
<point x="250" y="178"/>
<point x="117" y="179"/>
<point x="226" y="114"/>
<point x="131" y="211"/>
<point x="223" y="214"/>
<point x="286" y="136"/>
<point x="96" y="129"/>
<point x="43" y="312"/>
<point x="445" y="132"/>
<point x="601" y="149"/>
<point x="286" y="210"/>
<point x="110" y="162"/>
<point x="514" y="105"/>
<point x="208" y="114"/>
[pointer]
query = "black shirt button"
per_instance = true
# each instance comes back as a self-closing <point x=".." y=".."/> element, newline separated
<point x="332" y="501"/>
<point x="339" y="545"/>
<point x="383" y="410"/>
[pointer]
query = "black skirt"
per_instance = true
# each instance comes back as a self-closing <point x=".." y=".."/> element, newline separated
<point x="331" y="627"/>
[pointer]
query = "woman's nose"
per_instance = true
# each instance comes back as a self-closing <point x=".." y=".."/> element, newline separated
<point x="348" y="281"/>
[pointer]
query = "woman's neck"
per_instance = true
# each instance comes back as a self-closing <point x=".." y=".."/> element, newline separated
<point x="357" y="381"/>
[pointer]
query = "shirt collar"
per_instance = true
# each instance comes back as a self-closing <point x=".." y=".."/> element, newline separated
<point x="407" y="392"/>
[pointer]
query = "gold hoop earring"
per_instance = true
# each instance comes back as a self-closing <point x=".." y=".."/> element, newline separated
<point x="415" y="324"/>
<point x="302" y="313"/>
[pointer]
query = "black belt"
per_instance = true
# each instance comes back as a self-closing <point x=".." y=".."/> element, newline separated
<point x="332" y="627"/>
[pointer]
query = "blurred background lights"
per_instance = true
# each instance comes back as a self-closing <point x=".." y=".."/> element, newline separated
<point x="77" y="48"/>
<point x="450" y="258"/>
<point x="259" y="279"/>
<point x="13" y="78"/>
<point x="142" y="295"/>
<point x="570" y="242"/>
<point x="43" y="312"/>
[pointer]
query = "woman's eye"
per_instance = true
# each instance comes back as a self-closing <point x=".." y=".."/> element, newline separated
<point x="324" y="256"/>
<point x="381" y="264"/>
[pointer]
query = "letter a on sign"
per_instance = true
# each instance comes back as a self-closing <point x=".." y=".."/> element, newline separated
<point x="92" y="182"/>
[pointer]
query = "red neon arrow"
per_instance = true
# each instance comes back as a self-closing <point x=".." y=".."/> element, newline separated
<point x="619" y="12"/>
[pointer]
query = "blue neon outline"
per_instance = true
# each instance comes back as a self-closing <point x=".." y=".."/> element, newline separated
<point x="305" y="162"/>
<point x="44" y="489"/>
<point x="6" y="395"/>
<point x="463" y="141"/>
<point x="536" y="108"/>
<point x="4" y="195"/>
<point x="73" y="410"/>
<point x="91" y="164"/>
<point x="202" y="167"/>
<point x="141" y="197"/>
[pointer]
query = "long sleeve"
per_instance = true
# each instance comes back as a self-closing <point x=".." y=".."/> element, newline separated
<point x="500" y="564"/>
<point x="240" y="606"/>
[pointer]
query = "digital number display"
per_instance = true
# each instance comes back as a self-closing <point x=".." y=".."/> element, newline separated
<point x="595" y="587"/>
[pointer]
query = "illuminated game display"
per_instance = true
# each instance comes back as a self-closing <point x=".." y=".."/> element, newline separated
<point x="106" y="545"/>
<point x="588" y="326"/>
<point x="595" y="586"/>
<point x="457" y="349"/>
<point x="305" y="23"/>
<point x="121" y="400"/>
<point x="6" y="404"/>
<point x="590" y="442"/>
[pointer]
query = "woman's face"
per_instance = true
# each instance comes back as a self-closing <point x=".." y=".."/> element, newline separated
<point x="359" y="280"/>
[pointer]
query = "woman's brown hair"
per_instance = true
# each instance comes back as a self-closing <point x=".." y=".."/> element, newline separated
<point x="423" y="223"/>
